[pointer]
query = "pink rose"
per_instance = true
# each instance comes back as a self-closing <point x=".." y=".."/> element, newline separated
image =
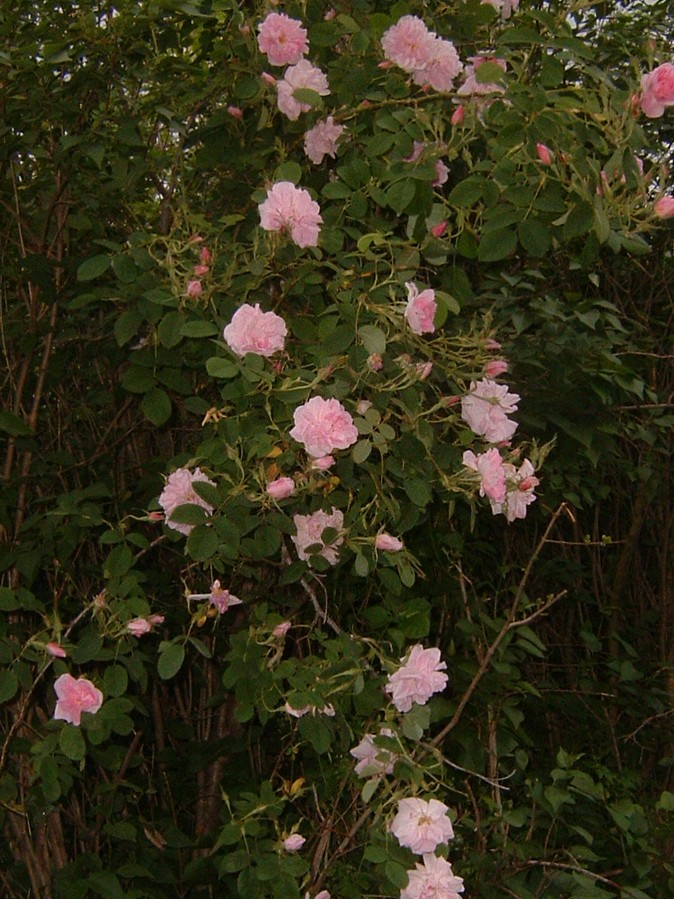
<point x="422" y="826"/>
<point x="417" y="679"/>
<point x="441" y="67"/>
<point x="201" y="270"/>
<point x="155" y="619"/>
<point x="521" y="484"/>
<point x="302" y="75"/>
<point x="492" y="473"/>
<point x="323" y="463"/>
<point x="74" y="696"/>
<point x="421" y="308"/>
<point x="321" y="140"/>
<point x="664" y="207"/>
<point x="434" y="878"/>
<point x="373" y="761"/>
<point x="253" y="331"/>
<point x="290" y="208"/>
<point x="283" y="40"/>
<point x="657" y="90"/>
<point x="544" y="154"/>
<point x="491" y="344"/>
<point x="294" y="842"/>
<point x="179" y="491"/>
<point x="235" y="111"/>
<point x="408" y="43"/>
<point x="486" y="410"/>
<point x="471" y="87"/>
<point x="281" y="629"/>
<point x="322" y="426"/>
<point x="495" y="368"/>
<point x="194" y="289"/>
<point x="458" y="116"/>
<point x="222" y="599"/>
<point x="387" y="543"/>
<point x="310" y="533"/>
<point x="56" y="650"/>
<point x="441" y="173"/>
<point x="280" y="488"/>
<point x="138" y="627"/>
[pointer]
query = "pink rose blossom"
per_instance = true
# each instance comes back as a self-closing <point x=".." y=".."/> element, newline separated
<point x="269" y="79"/>
<point x="302" y="75"/>
<point x="657" y="90"/>
<point x="434" y="879"/>
<point x="74" y="696"/>
<point x="417" y="679"/>
<point x="458" y="116"/>
<point x="373" y="761"/>
<point x="290" y="208"/>
<point x="471" y="86"/>
<point x="421" y="826"/>
<point x="222" y="599"/>
<point x="253" y="331"/>
<point x="505" y="7"/>
<point x="490" y="467"/>
<point x="486" y="408"/>
<point x="194" y="289"/>
<point x="281" y="629"/>
<point x="439" y="229"/>
<point x="421" y="308"/>
<point x="440" y="68"/>
<point x="408" y="43"/>
<point x="387" y="543"/>
<point x="310" y="533"/>
<point x="321" y="140"/>
<point x="664" y="207"/>
<point x="280" y="488"/>
<point x="195" y="239"/>
<point x="283" y="40"/>
<point x="179" y="491"/>
<point x="138" y="627"/>
<point x="441" y="173"/>
<point x="323" y="463"/>
<point x="495" y="368"/>
<point x="294" y="842"/>
<point x="544" y="154"/>
<point x="56" y="650"/>
<point x="521" y="484"/>
<point x="322" y="426"/>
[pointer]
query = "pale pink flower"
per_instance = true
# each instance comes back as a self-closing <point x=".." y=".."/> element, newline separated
<point x="434" y="879"/>
<point x="486" y="408"/>
<point x="440" y="68"/>
<point x="194" y="289"/>
<point x="373" y="760"/>
<point x="491" y="344"/>
<point x="495" y="367"/>
<point x="408" y="43"/>
<point x="323" y="426"/>
<point x="155" y="619"/>
<point x="417" y="679"/>
<point x="421" y="826"/>
<point x="74" y="696"/>
<point x="283" y="40"/>
<point x="471" y="86"/>
<point x="458" y="116"/>
<point x="387" y="543"/>
<point x="281" y="629"/>
<point x="439" y="229"/>
<point x="657" y="90"/>
<point x="544" y="154"/>
<point x="138" y="627"/>
<point x="664" y="207"/>
<point x="56" y="650"/>
<point x="521" y="484"/>
<point x="222" y="599"/>
<point x="294" y="842"/>
<point x="253" y="331"/>
<point x="179" y="491"/>
<point x="235" y="111"/>
<point x="290" y="208"/>
<point x="323" y="463"/>
<point x="280" y="488"/>
<point x="302" y="75"/>
<point x="310" y="533"/>
<point x="505" y="7"/>
<point x="321" y="140"/>
<point x="441" y="173"/>
<point x="492" y="473"/>
<point x="269" y="79"/>
<point x="421" y="308"/>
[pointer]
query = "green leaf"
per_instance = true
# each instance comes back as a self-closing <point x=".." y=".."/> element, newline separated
<point x="374" y="339"/>
<point x="289" y="170"/>
<point x="92" y="268"/>
<point x="308" y="96"/>
<point x="202" y="543"/>
<point x="156" y="406"/>
<point x="361" y="451"/>
<point x="497" y="245"/>
<point x="9" y="684"/>
<point x="416" y="721"/>
<point x="170" y="329"/>
<point x="127" y="326"/>
<point x="221" y="368"/>
<point x="71" y="743"/>
<point x="197" y="328"/>
<point x="171" y="659"/>
<point x="399" y="195"/>
<point x="14" y="425"/>
<point x="535" y="237"/>
<point x="115" y="680"/>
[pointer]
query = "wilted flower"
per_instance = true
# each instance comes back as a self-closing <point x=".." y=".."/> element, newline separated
<point x="521" y="484"/>
<point x="222" y="599"/>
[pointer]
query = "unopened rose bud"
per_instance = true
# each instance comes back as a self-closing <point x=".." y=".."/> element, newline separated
<point x="200" y="270"/>
<point x="458" y="115"/>
<point x="194" y="289"/>
<point x="495" y="368"/>
<point x="544" y="154"/>
<point x="664" y="207"/>
<point x="54" y="649"/>
<point x="268" y="79"/>
<point x="205" y="256"/>
<point x="281" y="629"/>
<point x="439" y="229"/>
<point x="235" y="112"/>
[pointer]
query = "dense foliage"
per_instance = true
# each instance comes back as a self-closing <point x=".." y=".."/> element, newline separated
<point x="230" y="640"/>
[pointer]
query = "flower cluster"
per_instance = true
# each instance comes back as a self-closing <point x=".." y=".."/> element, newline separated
<point x="430" y="60"/>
